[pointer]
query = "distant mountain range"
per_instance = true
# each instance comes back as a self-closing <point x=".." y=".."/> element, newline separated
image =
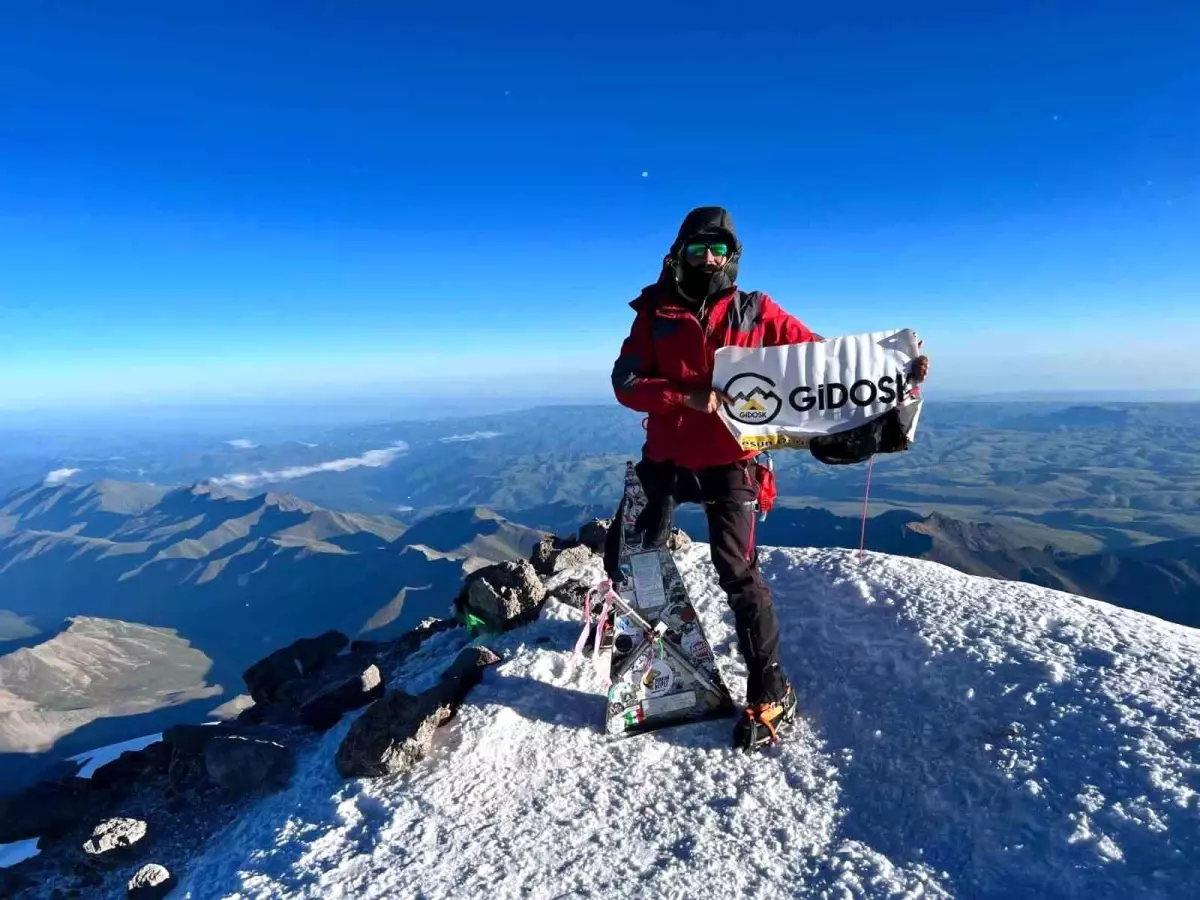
<point x="119" y="598"/>
<point x="125" y="607"/>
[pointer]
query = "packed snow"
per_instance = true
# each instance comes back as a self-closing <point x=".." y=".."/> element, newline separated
<point x="94" y="759"/>
<point x="960" y="737"/>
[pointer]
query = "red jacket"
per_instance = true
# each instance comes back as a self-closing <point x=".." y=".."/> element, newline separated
<point x="669" y="353"/>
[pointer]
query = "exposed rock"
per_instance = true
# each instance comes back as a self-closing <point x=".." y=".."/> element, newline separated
<point x="121" y="771"/>
<point x="396" y="732"/>
<point x="151" y="882"/>
<point x="325" y="709"/>
<point x="297" y="660"/>
<point x="573" y="557"/>
<point x="115" y="837"/>
<point x="503" y="595"/>
<point x="47" y="809"/>
<point x="543" y="554"/>
<point x="572" y="591"/>
<point x="407" y="643"/>
<point x="240" y="764"/>
<point x="255" y="714"/>
<point x="594" y="534"/>
<point x="463" y="674"/>
<point x="678" y="540"/>
<point x="190" y="740"/>
<point x="132" y="766"/>
<point x="549" y="558"/>
<point x="299" y="691"/>
<point x="391" y="736"/>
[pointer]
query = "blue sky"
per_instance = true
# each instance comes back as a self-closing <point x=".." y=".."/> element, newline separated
<point x="232" y="201"/>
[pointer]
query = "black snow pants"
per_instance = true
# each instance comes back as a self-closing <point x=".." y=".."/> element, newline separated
<point x="728" y="494"/>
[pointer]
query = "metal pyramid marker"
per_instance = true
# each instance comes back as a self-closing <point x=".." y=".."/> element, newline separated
<point x="662" y="667"/>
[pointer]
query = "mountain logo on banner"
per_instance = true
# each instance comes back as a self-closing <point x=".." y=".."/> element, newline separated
<point x="754" y="399"/>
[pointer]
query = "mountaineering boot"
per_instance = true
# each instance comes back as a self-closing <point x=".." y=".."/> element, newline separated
<point x="761" y="722"/>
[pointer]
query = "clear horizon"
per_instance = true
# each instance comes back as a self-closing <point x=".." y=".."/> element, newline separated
<point x="324" y="206"/>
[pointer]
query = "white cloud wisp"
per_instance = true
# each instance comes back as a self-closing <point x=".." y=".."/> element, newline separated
<point x="473" y="436"/>
<point x="373" y="459"/>
<point x="59" y="476"/>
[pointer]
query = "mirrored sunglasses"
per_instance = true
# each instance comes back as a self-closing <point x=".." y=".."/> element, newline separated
<point x="718" y="248"/>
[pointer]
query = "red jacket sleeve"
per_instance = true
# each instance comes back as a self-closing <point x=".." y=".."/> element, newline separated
<point x="633" y="379"/>
<point x="781" y="328"/>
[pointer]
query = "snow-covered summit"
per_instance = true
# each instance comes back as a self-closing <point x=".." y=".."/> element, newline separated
<point x="961" y="737"/>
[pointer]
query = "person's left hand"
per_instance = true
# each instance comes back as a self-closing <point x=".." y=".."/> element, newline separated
<point x="920" y="369"/>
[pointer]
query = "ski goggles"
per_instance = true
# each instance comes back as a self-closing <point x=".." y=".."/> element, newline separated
<point x="696" y="251"/>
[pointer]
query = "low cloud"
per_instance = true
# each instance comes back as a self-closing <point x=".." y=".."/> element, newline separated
<point x="242" y="444"/>
<point x="372" y="459"/>
<point x="58" y="476"/>
<point x="473" y="436"/>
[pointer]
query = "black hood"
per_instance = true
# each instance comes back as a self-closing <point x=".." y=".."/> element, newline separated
<point x="709" y="221"/>
<point x="695" y="286"/>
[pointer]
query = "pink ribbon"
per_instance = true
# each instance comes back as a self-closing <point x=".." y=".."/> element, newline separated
<point x="606" y="587"/>
<point x="587" y="620"/>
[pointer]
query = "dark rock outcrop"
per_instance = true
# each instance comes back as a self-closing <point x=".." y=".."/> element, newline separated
<point x="241" y="765"/>
<point x="116" y="838"/>
<point x="391" y="736"/>
<point x="594" y="534"/>
<point x="572" y="591"/>
<point x="150" y="882"/>
<point x="191" y="740"/>
<point x="47" y="809"/>
<point x="396" y="732"/>
<point x="297" y="660"/>
<point x="463" y="674"/>
<point x="503" y="595"/>
<point x="124" y="772"/>
<point x="544" y="553"/>
<point x="323" y="710"/>
<point x="549" y="560"/>
<point x="408" y="643"/>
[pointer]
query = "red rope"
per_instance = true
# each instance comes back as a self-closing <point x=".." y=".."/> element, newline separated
<point x="862" y="540"/>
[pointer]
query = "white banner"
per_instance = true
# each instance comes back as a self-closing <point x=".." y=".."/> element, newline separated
<point x="783" y="396"/>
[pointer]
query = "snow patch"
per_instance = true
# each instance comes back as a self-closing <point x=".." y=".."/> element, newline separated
<point x="918" y="766"/>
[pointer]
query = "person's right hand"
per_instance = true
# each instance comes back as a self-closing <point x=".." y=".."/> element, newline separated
<point x="707" y="400"/>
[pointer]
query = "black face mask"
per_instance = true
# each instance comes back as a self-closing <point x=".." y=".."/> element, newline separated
<point x="697" y="284"/>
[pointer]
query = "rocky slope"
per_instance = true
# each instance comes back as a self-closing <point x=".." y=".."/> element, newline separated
<point x="208" y="578"/>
